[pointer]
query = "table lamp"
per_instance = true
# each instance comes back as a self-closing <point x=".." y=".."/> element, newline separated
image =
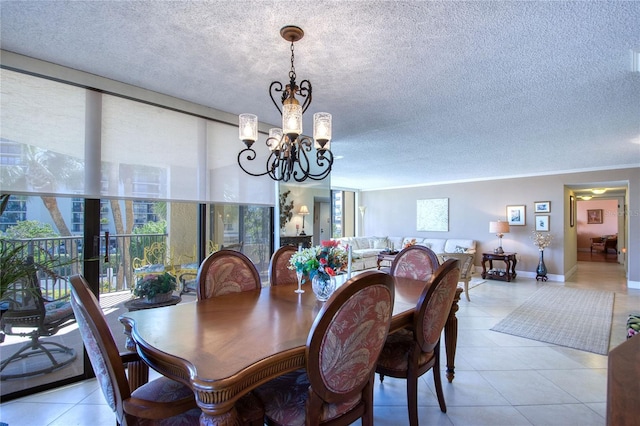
<point x="304" y="210"/>
<point x="499" y="228"/>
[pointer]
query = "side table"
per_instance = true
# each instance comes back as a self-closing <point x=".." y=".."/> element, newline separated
<point x="508" y="274"/>
<point x="139" y="304"/>
<point x="386" y="257"/>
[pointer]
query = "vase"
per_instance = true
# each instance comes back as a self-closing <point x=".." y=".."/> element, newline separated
<point x="159" y="298"/>
<point x="541" y="271"/>
<point x="323" y="285"/>
<point x="300" y="275"/>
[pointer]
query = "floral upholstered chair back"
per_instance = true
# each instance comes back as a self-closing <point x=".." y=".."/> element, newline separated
<point x="279" y="272"/>
<point x="345" y="342"/>
<point x="101" y="347"/>
<point x="434" y="305"/>
<point x="226" y="271"/>
<point x="417" y="262"/>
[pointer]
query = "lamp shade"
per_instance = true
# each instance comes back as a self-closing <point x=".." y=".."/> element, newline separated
<point x="304" y="210"/>
<point x="499" y="227"/>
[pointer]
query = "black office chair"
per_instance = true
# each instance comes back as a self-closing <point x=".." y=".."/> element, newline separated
<point x="30" y="314"/>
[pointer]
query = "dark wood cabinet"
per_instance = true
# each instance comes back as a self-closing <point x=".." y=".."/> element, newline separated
<point x="296" y="240"/>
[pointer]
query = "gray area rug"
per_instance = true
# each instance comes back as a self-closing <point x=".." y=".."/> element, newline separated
<point x="576" y="318"/>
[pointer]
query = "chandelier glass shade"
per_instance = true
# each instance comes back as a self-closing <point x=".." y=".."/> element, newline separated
<point x="290" y="152"/>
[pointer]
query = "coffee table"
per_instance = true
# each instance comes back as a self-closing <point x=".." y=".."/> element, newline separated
<point x="386" y="257"/>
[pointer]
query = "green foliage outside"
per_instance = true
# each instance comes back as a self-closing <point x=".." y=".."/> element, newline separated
<point x="28" y="229"/>
<point x="139" y="243"/>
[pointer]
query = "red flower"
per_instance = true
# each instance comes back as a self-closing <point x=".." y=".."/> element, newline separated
<point x="330" y="271"/>
<point x="323" y="260"/>
<point x="329" y="243"/>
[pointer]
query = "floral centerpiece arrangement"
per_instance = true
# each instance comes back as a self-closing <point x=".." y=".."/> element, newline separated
<point x="410" y="243"/>
<point x="542" y="239"/>
<point x="155" y="287"/>
<point x="321" y="264"/>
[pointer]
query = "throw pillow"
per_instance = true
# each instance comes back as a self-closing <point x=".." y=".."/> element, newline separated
<point x="459" y="249"/>
<point x="380" y="243"/>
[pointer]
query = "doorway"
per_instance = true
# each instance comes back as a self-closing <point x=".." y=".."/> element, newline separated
<point x="597" y="229"/>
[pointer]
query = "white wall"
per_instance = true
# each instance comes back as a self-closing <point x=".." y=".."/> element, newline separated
<point x="473" y="205"/>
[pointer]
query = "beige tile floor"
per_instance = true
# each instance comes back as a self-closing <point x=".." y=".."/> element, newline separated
<point x="500" y="379"/>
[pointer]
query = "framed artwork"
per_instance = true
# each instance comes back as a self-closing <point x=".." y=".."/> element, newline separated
<point x="572" y="220"/>
<point x="516" y="215"/>
<point x="542" y="222"/>
<point x="542" y="207"/>
<point x="594" y="216"/>
<point x="433" y="215"/>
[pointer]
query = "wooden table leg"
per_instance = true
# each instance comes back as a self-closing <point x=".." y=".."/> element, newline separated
<point x="451" y="335"/>
<point x="138" y="370"/>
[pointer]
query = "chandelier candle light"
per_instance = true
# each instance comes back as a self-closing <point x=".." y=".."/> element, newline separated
<point x="288" y="158"/>
<point x="499" y="228"/>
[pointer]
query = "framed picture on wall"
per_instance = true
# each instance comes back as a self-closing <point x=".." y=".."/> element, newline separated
<point x="433" y="215"/>
<point x="572" y="215"/>
<point x="516" y="215"/>
<point x="542" y="207"/>
<point x="594" y="216"/>
<point x="542" y="222"/>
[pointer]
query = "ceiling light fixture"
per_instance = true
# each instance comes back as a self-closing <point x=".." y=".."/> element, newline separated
<point x="288" y="158"/>
<point x="599" y="191"/>
<point x="585" y="197"/>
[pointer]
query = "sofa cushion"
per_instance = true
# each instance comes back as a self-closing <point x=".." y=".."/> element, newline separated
<point x="369" y="252"/>
<point x="436" y="244"/>
<point x="360" y="243"/>
<point x="395" y="243"/>
<point x="451" y="244"/>
<point x="379" y="243"/>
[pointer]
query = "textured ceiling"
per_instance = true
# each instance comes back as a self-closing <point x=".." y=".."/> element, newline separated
<point x="420" y="92"/>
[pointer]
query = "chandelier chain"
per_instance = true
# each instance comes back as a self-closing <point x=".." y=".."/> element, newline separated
<point x="292" y="73"/>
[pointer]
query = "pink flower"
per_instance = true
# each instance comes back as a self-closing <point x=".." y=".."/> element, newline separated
<point x="329" y="243"/>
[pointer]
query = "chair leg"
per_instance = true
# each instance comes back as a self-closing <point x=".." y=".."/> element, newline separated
<point x="437" y="380"/>
<point x="412" y="397"/>
<point x="466" y="290"/>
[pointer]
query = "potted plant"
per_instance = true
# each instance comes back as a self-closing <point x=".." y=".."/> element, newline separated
<point x="156" y="288"/>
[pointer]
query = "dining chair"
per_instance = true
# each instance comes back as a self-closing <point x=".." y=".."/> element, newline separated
<point x="279" y="272"/>
<point x="411" y="352"/>
<point x="342" y="349"/>
<point x="226" y="271"/>
<point x="161" y="401"/>
<point x="416" y="261"/>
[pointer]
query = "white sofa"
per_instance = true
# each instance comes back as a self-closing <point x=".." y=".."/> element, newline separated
<point x="365" y="250"/>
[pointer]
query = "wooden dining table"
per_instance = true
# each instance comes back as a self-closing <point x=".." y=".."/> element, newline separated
<point x="224" y="347"/>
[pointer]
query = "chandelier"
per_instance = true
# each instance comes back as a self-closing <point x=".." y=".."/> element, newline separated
<point x="288" y="148"/>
